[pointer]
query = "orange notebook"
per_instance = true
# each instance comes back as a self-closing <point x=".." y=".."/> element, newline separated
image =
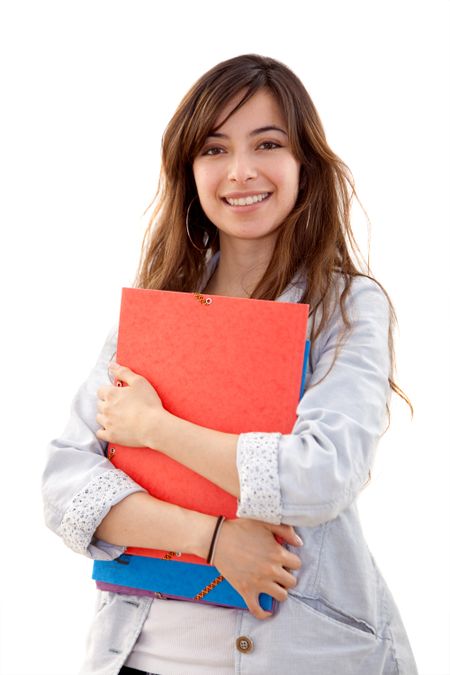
<point x="231" y="364"/>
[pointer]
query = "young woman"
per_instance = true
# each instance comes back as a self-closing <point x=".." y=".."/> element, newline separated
<point x="252" y="203"/>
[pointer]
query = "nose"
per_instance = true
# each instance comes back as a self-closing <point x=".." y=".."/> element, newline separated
<point x="242" y="167"/>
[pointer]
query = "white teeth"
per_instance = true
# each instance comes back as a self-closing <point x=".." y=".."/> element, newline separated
<point x="246" y="201"/>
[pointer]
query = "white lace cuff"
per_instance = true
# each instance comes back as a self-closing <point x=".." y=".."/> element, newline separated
<point x="89" y="507"/>
<point x="257" y="463"/>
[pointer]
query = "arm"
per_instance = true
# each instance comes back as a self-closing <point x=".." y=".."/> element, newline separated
<point x="247" y="553"/>
<point x="195" y="450"/>
<point x="321" y="467"/>
<point x="146" y="522"/>
<point x="79" y="484"/>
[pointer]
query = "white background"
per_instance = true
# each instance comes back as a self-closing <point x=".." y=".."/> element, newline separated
<point x="87" y="89"/>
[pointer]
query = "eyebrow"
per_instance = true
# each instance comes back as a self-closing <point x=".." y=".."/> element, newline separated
<point x="255" y="132"/>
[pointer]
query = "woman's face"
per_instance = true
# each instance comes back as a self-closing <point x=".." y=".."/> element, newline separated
<point x="246" y="174"/>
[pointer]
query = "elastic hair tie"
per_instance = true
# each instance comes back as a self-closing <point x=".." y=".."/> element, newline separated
<point x="212" y="548"/>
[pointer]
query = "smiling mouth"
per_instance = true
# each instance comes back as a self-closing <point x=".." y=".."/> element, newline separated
<point x="247" y="201"/>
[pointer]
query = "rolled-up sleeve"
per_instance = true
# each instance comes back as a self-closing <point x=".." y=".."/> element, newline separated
<point x="79" y="483"/>
<point x="309" y="476"/>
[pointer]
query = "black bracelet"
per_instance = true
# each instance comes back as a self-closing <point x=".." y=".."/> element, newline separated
<point x="212" y="548"/>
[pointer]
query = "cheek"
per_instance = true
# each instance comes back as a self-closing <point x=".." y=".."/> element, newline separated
<point x="291" y="181"/>
<point x="204" y="181"/>
<point x="286" y="171"/>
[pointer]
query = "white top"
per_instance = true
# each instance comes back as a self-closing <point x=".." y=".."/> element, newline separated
<point x="184" y="638"/>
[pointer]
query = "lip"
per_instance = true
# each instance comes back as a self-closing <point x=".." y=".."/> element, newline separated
<point x="243" y="195"/>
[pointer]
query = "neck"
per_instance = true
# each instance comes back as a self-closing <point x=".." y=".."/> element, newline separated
<point x="240" y="268"/>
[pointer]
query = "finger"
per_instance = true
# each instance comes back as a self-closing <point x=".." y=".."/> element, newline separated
<point x="288" y="534"/>
<point x="102" y="434"/>
<point x="101" y="419"/>
<point x="255" y="608"/>
<point x="290" y="560"/>
<point x="104" y="392"/>
<point x="276" y="591"/>
<point x="123" y="373"/>
<point x="286" y="579"/>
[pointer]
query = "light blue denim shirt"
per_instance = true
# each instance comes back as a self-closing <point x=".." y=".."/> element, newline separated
<point x="341" y="618"/>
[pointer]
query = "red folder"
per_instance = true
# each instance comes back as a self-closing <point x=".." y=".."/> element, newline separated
<point x="230" y="364"/>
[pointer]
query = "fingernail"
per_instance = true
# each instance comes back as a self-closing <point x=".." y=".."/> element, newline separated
<point x="299" y="541"/>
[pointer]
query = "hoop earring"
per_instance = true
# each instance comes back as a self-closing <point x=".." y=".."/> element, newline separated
<point x="307" y="218"/>
<point x="207" y="243"/>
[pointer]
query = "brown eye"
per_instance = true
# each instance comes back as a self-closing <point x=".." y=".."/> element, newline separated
<point x="272" y="144"/>
<point x="210" y="152"/>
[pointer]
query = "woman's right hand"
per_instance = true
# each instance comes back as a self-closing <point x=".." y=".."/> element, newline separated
<point x="253" y="562"/>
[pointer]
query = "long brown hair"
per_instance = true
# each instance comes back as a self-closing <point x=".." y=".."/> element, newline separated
<point x="316" y="237"/>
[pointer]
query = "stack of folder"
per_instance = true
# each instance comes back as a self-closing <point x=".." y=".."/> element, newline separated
<point x="231" y="364"/>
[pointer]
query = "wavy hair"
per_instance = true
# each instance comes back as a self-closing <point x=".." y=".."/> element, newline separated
<point x="315" y="239"/>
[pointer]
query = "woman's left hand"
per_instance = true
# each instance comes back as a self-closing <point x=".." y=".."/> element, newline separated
<point x="128" y="415"/>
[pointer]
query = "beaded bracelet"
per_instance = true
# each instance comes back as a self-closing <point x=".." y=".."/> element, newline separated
<point x="212" y="548"/>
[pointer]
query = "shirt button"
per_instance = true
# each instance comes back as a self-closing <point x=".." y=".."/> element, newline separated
<point x="244" y="644"/>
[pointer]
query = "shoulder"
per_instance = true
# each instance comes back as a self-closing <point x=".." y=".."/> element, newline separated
<point x="358" y="297"/>
<point x="356" y="335"/>
<point x="363" y="297"/>
<point x="359" y="313"/>
<point x="360" y="293"/>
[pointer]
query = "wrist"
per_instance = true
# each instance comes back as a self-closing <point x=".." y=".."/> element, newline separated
<point x="157" y="429"/>
<point x="201" y="530"/>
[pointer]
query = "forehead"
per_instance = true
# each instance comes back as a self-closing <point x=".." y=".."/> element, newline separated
<point x="260" y="110"/>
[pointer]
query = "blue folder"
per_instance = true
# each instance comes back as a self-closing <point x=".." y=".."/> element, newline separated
<point x="171" y="579"/>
